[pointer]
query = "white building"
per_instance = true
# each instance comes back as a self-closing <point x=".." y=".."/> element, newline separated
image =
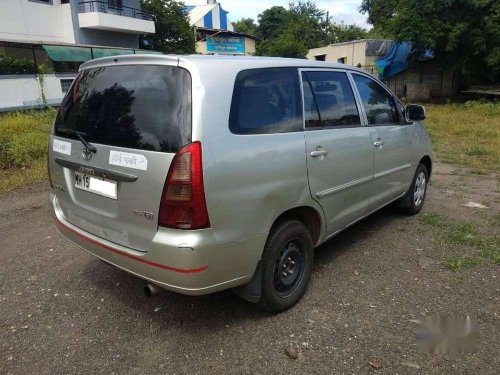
<point x="55" y="37"/>
<point x="215" y="32"/>
<point x="113" y="23"/>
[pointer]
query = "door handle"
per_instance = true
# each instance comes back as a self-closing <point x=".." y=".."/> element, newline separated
<point x="317" y="153"/>
<point x="378" y="143"/>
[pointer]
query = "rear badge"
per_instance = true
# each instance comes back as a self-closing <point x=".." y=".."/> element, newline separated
<point x="87" y="154"/>
<point x="144" y="214"/>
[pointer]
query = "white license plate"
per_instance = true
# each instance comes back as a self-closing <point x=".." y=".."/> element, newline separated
<point x="96" y="185"/>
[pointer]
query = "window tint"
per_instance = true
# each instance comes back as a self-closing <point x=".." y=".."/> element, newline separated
<point x="266" y="101"/>
<point x="137" y="106"/>
<point x="332" y="95"/>
<point x="380" y="106"/>
<point x="311" y="114"/>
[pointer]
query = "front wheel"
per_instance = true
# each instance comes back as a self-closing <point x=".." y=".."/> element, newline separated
<point x="286" y="266"/>
<point x="413" y="200"/>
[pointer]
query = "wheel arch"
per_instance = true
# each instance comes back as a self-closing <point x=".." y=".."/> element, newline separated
<point x="308" y="216"/>
<point x="427" y="161"/>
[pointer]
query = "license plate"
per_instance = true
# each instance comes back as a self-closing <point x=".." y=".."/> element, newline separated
<point x="96" y="185"/>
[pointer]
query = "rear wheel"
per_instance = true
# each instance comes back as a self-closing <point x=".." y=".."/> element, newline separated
<point x="286" y="266"/>
<point x="413" y="201"/>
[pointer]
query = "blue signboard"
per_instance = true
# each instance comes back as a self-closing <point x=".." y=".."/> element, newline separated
<point x="226" y="44"/>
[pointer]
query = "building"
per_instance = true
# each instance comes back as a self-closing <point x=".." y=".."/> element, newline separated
<point x="356" y="53"/>
<point x="112" y="23"/>
<point x="43" y="43"/>
<point x="421" y="80"/>
<point x="215" y="33"/>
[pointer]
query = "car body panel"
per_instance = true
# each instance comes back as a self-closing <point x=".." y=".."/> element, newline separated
<point x="249" y="181"/>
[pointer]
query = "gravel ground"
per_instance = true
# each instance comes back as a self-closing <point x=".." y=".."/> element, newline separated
<point x="63" y="311"/>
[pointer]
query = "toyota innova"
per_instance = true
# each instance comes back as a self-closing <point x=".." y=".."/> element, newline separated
<point x="204" y="173"/>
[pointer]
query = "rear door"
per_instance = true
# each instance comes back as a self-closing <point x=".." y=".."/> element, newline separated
<point x="393" y="140"/>
<point x="339" y="149"/>
<point x="137" y="117"/>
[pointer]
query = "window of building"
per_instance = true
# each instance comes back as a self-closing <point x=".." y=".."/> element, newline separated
<point x="66" y="84"/>
<point x="64" y="1"/>
<point x="266" y="101"/>
<point x="342" y="60"/>
<point x="320" y="57"/>
<point x="332" y="99"/>
<point x="380" y="106"/>
<point x="115" y="3"/>
<point x="66" y="66"/>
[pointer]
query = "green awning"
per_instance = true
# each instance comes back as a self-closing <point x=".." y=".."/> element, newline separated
<point x="105" y="52"/>
<point x="68" y="53"/>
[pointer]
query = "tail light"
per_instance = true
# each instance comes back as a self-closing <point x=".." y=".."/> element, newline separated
<point x="183" y="204"/>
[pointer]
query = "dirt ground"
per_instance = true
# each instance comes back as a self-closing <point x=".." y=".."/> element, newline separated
<point x="63" y="311"/>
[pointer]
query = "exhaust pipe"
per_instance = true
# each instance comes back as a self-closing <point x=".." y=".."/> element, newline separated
<point x="150" y="289"/>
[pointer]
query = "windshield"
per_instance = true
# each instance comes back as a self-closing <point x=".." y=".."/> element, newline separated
<point x="135" y="106"/>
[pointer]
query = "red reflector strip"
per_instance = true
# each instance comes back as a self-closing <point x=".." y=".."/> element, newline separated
<point x="139" y="259"/>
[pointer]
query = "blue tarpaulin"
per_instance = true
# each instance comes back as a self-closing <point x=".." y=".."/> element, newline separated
<point x="396" y="60"/>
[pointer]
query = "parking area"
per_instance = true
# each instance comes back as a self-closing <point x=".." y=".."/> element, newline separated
<point x="64" y="311"/>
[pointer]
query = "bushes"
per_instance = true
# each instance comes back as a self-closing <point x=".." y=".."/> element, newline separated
<point x="12" y="65"/>
<point x="24" y="137"/>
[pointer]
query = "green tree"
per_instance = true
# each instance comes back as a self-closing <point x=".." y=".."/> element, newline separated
<point x="465" y="34"/>
<point x="272" y="21"/>
<point x="245" y="26"/>
<point x="340" y="32"/>
<point x="173" y="33"/>
<point x="291" y="32"/>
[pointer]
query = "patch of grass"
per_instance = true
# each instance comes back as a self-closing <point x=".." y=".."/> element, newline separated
<point x="495" y="219"/>
<point x="23" y="147"/>
<point x="463" y="244"/>
<point x="476" y="151"/>
<point x="464" y="234"/>
<point x="18" y="177"/>
<point x="466" y="134"/>
<point x="479" y="172"/>
<point x="433" y="219"/>
<point x="457" y="263"/>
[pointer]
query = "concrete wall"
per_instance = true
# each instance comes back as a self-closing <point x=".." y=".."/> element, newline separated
<point x="422" y="82"/>
<point x="25" y="91"/>
<point x="33" y="21"/>
<point x="354" y="52"/>
<point x="249" y="47"/>
<point x="100" y="37"/>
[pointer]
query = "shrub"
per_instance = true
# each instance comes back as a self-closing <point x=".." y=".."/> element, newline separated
<point x="23" y="137"/>
<point x="11" y="65"/>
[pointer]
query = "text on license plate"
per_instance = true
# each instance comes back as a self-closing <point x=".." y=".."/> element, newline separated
<point x="96" y="185"/>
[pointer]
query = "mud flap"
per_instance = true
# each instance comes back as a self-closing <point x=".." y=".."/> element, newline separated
<point x="252" y="291"/>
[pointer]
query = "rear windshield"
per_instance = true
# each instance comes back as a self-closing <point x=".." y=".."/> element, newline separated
<point x="136" y="106"/>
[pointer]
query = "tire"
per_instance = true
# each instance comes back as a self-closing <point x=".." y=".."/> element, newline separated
<point x="413" y="201"/>
<point x="288" y="250"/>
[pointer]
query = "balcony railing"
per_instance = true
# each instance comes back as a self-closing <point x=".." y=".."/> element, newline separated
<point x="112" y="8"/>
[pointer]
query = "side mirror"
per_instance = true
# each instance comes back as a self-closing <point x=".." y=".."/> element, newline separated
<point x="415" y="112"/>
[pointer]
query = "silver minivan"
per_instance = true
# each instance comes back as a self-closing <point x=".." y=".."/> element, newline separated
<point x="204" y="173"/>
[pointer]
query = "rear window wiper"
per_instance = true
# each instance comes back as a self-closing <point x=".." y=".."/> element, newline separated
<point x="80" y="136"/>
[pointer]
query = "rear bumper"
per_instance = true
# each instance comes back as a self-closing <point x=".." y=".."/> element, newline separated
<point x="187" y="262"/>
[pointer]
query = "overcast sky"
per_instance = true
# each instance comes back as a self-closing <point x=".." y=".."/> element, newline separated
<point x="340" y="10"/>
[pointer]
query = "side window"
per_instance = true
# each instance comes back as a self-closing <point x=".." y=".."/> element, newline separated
<point x="311" y="113"/>
<point x="379" y="105"/>
<point x="266" y="101"/>
<point x="332" y="99"/>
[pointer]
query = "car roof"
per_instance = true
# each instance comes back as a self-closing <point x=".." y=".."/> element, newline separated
<point x="219" y="62"/>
